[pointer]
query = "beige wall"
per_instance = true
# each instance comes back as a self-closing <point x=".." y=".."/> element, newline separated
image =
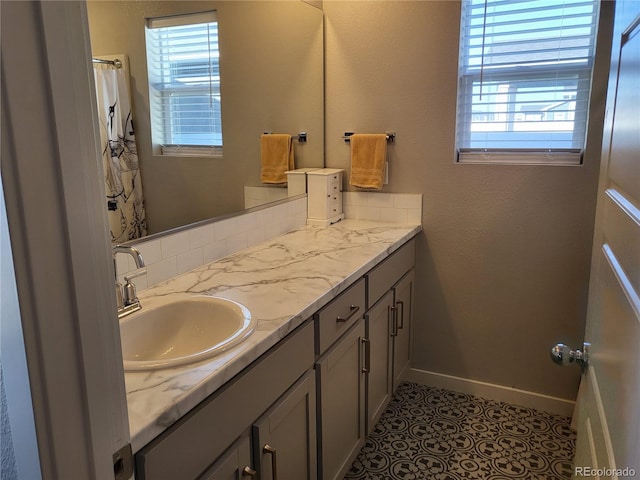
<point x="503" y="261"/>
<point x="271" y="81"/>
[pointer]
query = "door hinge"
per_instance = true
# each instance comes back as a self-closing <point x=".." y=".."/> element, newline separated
<point x="123" y="463"/>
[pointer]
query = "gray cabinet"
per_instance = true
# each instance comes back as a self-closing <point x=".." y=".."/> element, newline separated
<point x="340" y="373"/>
<point x="401" y="327"/>
<point x="234" y="464"/>
<point x="283" y="441"/>
<point x="390" y="297"/>
<point x="284" y="438"/>
<point x="379" y="322"/>
<point x="190" y="447"/>
<point x="301" y="411"/>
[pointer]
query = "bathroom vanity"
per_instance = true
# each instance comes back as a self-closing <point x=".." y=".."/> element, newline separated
<point x="296" y="399"/>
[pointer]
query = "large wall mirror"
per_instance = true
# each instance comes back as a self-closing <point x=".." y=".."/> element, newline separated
<point x="271" y="80"/>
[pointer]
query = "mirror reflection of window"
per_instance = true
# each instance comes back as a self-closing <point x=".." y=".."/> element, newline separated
<point x="184" y="84"/>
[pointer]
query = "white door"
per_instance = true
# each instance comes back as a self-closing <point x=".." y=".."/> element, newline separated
<point x="609" y="397"/>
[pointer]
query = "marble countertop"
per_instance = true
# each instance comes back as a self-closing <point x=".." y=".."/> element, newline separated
<point x="282" y="282"/>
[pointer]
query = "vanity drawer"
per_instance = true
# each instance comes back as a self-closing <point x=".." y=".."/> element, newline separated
<point x="338" y="316"/>
<point x="385" y="275"/>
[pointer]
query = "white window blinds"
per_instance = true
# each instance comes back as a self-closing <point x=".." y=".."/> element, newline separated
<point x="524" y="79"/>
<point x="184" y="83"/>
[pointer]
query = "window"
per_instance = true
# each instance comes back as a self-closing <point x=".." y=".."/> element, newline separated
<point x="524" y="80"/>
<point x="184" y="84"/>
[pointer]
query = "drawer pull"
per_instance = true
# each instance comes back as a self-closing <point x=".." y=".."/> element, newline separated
<point x="272" y="451"/>
<point x="249" y="472"/>
<point x="400" y="326"/>
<point x="353" y="309"/>
<point x="366" y="345"/>
<point x="392" y="315"/>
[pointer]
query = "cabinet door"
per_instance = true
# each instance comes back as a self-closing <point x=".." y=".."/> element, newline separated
<point x="403" y="292"/>
<point x="341" y="411"/>
<point x="233" y="465"/>
<point x="284" y="438"/>
<point x="380" y="322"/>
<point x="189" y="446"/>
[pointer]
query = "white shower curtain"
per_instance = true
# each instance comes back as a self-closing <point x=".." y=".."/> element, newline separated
<point x="125" y="202"/>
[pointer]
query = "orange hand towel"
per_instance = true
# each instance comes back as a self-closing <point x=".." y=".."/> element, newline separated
<point x="276" y="156"/>
<point x="368" y="157"/>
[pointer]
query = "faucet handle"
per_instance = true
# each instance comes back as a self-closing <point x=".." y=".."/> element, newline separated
<point x="136" y="273"/>
<point x="129" y="294"/>
<point x="129" y="289"/>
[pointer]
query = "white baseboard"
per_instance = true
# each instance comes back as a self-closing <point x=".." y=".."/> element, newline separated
<point x="491" y="391"/>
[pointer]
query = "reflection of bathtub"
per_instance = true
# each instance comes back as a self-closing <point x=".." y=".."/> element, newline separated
<point x="254" y="196"/>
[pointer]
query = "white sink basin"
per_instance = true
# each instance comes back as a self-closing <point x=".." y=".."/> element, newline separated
<point x="183" y="331"/>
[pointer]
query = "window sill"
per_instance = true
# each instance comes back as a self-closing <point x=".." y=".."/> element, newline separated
<point x="520" y="157"/>
<point x="191" y="151"/>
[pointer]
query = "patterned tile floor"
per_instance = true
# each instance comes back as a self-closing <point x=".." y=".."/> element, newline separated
<point x="428" y="433"/>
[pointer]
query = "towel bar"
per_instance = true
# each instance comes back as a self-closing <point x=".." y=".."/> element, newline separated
<point x="391" y="136"/>
<point x="116" y="63"/>
<point x="301" y="137"/>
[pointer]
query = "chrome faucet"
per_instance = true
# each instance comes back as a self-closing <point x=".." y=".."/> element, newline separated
<point x="127" y="300"/>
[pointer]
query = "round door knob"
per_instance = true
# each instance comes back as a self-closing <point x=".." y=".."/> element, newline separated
<point x="563" y="355"/>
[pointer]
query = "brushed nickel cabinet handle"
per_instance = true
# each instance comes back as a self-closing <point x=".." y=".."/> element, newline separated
<point x="366" y="346"/>
<point x="274" y="468"/>
<point x="400" y="326"/>
<point x="353" y="309"/>
<point x="249" y="472"/>
<point x="392" y="316"/>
